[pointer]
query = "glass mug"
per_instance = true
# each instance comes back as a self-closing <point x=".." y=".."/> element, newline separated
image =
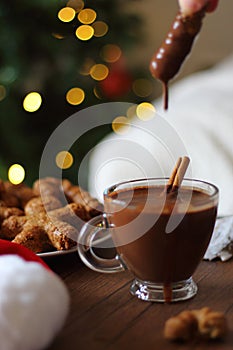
<point x="161" y="238"/>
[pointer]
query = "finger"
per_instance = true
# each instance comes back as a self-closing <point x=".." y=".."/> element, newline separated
<point x="189" y="7"/>
<point x="212" y="5"/>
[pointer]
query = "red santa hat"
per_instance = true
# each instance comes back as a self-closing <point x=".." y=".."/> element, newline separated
<point x="7" y="247"/>
<point x="34" y="300"/>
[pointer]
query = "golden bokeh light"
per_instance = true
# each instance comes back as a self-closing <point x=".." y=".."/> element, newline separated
<point x="99" y="72"/>
<point x="97" y="93"/>
<point x="145" y="111"/>
<point x="142" y="87"/>
<point x="87" y="16"/>
<point x="2" y="92"/>
<point x="84" y="32"/>
<point x="120" y="125"/>
<point x="100" y="28"/>
<point x="66" y="14"/>
<point x="75" y="96"/>
<point x="64" y="160"/>
<point x="86" y="67"/>
<point x="16" y="174"/>
<point x="58" y="36"/>
<point x="131" y="112"/>
<point x="110" y="53"/>
<point x="77" y="5"/>
<point x="32" y="102"/>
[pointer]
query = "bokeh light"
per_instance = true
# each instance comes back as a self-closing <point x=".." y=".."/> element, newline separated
<point x="120" y="125"/>
<point x="110" y="53"/>
<point x="58" y="36"/>
<point x="131" y="112"/>
<point x="142" y="87"/>
<point x="32" y="102"/>
<point x="145" y="111"/>
<point x="8" y="74"/>
<point x="87" y="16"/>
<point x="2" y="92"/>
<point x="100" y="28"/>
<point x="66" y="14"/>
<point x="86" y="67"/>
<point x="97" y="93"/>
<point x="16" y="174"/>
<point x="84" y="32"/>
<point x="99" y="72"/>
<point x="77" y="5"/>
<point x="75" y="96"/>
<point x="64" y="160"/>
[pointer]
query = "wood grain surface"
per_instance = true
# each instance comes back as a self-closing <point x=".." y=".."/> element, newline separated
<point x="104" y="315"/>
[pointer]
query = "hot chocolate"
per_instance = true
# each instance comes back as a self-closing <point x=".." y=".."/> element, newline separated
<point x="157" y="256"/>
<point x="160" y="232"/>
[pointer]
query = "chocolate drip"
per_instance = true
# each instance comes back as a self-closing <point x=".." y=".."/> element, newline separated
<point x="166" y="62"/>
<point x="165" y="94"/>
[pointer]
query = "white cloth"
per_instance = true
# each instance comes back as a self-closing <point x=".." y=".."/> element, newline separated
<point x="34" y="303"/>
<point x="199" y="122"/>
<point x="221" y="242"/>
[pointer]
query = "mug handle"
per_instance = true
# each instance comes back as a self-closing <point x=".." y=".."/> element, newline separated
<point x="86" y="244"/>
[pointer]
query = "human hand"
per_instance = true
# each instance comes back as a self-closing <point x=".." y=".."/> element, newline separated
<point x="189" y="7"/>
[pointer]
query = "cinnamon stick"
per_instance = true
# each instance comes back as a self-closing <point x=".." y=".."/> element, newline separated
<point x="177" y="175"/>
<point x="173" y="175"/>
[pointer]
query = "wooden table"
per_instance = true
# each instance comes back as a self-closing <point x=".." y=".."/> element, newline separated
<point x="104" y="315"/>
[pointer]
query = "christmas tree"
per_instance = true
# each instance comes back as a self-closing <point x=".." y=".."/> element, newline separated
<point x="59" y="57"/>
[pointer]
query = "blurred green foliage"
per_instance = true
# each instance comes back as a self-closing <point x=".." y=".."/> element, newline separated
<point x="32" y="58"/>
